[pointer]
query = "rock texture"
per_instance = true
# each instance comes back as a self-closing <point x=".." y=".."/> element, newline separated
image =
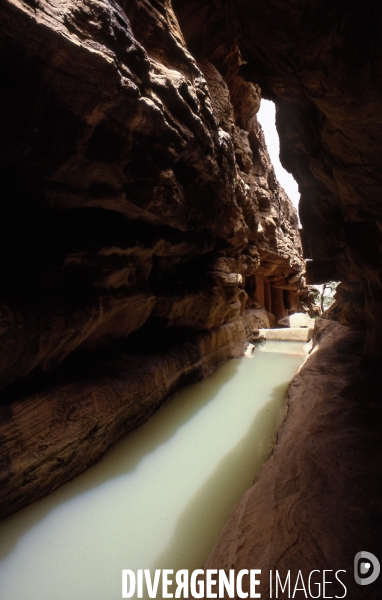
<point x="321" y="63"/>
<point x="317" y="501"/>
<point x="60" y="429"/>
<point x="273" y="226"/>
<point x="144" y="236"/>
<point x="139" y="207"/>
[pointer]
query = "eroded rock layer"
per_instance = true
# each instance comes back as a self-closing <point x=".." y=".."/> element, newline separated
<point x="60" y="429"/>
<point x="139" y="207"/>
<point x="318" y="500"/>
<point x="321" y="62"/>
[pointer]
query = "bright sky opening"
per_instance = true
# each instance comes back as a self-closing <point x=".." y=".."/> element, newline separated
<point x="267" y="119"/>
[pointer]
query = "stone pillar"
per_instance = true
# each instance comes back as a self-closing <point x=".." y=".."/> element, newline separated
<point x="250" y="287"/>
<point x="267" y="296"/>
<point x="293" y="300"/>
<point x="278" y="308"/>
<point x="259" y="291"/>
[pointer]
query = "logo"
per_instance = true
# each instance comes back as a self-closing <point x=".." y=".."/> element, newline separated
<point x="366" y="564"/>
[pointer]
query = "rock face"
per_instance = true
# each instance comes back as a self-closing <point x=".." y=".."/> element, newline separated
<point x="316" y="502"/>
<point x="139" y="207"/>
<point x="322" y="64"/>
<point x="144" y="237"/>
<point x="57" y="430"/>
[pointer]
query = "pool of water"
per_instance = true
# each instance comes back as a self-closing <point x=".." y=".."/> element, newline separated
<point x="160" y="498"/>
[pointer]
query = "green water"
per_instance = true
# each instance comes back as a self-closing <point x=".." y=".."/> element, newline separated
<point x="160" y="498"/>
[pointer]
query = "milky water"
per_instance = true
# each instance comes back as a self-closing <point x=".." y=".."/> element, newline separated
<point x="160" y="498"/>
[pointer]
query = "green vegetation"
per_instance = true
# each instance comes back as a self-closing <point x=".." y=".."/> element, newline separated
<point x="325" y="294"/>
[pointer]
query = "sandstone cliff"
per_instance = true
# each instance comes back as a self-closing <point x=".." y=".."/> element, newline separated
<point x="318" y="500"/>
<point x="144" y="234"/>
<point x="322" y="64"/>
<point x="142" y="230"/>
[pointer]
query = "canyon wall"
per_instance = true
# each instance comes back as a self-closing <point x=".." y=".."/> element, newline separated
<point x="144" y="236"/>
<point x="322" y="64"/>
<point x="318" y="500"/>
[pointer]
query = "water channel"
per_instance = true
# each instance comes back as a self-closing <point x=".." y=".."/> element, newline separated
<point x="160" y="498"/>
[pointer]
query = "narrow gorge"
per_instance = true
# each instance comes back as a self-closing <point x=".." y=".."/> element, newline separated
<point x="145" y="239"/>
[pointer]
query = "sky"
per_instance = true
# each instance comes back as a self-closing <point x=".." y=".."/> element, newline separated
<point x="267" y="119"/>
